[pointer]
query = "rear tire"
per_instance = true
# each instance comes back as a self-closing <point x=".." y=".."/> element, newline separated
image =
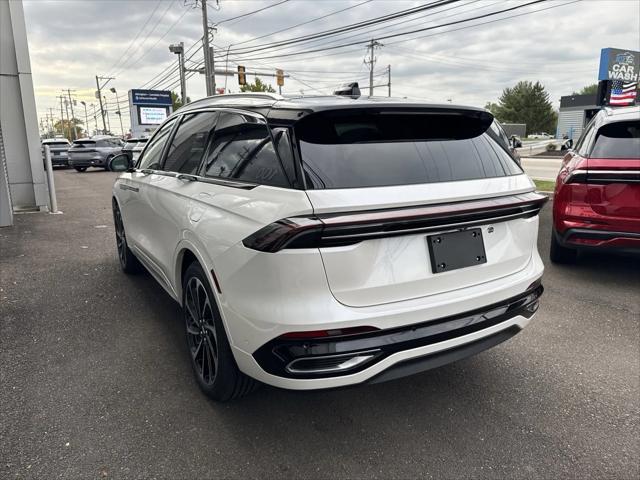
<point x="559" y="253"/>
<point x="80" y="169"/>
<point x="212" y="361"/>
<point x="128" y="261"/>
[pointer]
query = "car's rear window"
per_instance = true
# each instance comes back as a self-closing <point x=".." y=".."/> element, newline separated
<point x="84" y="143"/>
<point x="370" y="150"/>
<point x="57" y="144"/>
<point x="618" y="140"/>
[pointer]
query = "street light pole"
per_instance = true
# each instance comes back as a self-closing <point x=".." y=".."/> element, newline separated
<point x="178" y="48"/>
<point x="113" y="90"/>
<point x="95" y="117"/>
<point x="86" y="118"/>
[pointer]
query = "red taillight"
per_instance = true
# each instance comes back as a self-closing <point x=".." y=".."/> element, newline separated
<point x="328" y="333"/>
<point x="574" y="169"/>
<point x="288" y="232"/>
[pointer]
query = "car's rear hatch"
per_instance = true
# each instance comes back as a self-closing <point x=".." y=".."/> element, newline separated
<point x="394" y="187"/>
<point x="613" y="174"/>
<point x="83" y="149"/>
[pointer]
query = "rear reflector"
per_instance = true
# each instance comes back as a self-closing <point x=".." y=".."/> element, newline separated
<point x="328" y="333"/>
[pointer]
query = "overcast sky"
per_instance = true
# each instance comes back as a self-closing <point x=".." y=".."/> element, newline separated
<point x="72" y="41"/>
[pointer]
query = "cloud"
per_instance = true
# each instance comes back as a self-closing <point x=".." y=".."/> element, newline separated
<point x="72" y="41"/>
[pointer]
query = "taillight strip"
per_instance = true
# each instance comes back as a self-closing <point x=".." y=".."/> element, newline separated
<point x="353" y="227"/>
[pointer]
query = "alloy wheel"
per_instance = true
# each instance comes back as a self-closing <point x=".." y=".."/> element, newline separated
<point x="121" y="239"/>
<point x="201" y="332"/>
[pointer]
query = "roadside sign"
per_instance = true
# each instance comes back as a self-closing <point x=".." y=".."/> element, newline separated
<point x="280" y="77"/>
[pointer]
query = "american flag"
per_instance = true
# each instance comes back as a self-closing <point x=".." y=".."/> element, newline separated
<point x="623" y="93"/>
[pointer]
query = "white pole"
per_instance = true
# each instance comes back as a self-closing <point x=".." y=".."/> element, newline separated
<point x="52" y="187"/>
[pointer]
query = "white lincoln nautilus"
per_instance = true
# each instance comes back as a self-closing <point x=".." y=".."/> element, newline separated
<point x="317" y="242"/>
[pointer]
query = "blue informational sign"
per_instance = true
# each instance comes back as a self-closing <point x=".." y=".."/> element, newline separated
<point x="151" y="97"/>
<point x="619" y="64"/>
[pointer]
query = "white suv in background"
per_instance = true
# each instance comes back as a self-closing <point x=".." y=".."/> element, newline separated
<point x="317" y="242"/>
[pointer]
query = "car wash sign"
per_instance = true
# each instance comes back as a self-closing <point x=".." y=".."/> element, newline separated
<point x="617" y="64"/>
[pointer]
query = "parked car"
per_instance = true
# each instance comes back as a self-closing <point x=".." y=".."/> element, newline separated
<point x="597" y="195"/>
<point x="321" y="242"/>
<point x="58" y="148"/>
<point x="541" y="136"/>
<point x="133" y="147"/>
<point x="94" y="152"/>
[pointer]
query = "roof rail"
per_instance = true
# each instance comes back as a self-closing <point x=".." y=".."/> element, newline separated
<point x="231" y="96"/>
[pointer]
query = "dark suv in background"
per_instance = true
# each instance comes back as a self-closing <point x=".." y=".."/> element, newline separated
<point x="94" y="152"/>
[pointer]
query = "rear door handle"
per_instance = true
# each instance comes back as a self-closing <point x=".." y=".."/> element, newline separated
<point x="188" y="178"/>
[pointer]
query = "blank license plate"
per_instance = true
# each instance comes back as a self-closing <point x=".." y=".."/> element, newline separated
<point x="450" y="251"/>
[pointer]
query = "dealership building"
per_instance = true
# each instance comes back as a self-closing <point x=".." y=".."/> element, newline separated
<point x="575" y="113"/>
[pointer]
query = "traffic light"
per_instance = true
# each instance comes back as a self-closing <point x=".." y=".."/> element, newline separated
<point x="280" y="77"/>
<point x="242" y="78"/>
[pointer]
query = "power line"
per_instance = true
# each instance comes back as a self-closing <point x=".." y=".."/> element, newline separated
<point x="244" y="15"/>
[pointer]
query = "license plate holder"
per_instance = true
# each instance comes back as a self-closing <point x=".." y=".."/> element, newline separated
<point x="454" y="250"/>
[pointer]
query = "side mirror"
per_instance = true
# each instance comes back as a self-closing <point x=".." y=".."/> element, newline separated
<point x="120" y="163"/>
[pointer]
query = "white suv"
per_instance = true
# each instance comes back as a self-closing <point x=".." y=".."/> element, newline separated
<point x="317" y="242"/>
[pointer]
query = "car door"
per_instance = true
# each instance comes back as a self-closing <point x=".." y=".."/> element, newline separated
<point x="171" y="187"/>
<point x="135" y="205"/>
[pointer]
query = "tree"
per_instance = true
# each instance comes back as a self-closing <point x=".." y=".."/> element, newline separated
<point x="588" y="90"/>
<point x="176" y="101"/>
<point x="257" y="86"/>
<point x="65" y="127"/>
<point x="527" y="103"/>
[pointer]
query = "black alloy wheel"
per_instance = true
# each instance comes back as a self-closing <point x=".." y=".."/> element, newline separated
<point x="212" y="360"/>
<point x="201" y="331"/>
<point x="128" y="261"/>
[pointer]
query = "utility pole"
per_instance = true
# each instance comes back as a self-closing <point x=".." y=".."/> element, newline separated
<point x="389" y="76"/>
<point x="106" y="114"/>
<point x="66" y="111"/>
<point x="52" y="121"/>
<point x="75" y="128"/>
<point x="207" y="52"/>
<point x="61" y="116"/>
<point x="373" y="44"/>
<point x="99" y="95"/>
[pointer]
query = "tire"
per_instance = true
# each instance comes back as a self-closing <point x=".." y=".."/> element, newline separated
<point x="212" y="361"/>
<point x="80" y="169"/>
<point x="106" y="163"/>
<point x="128" y="261"/>
<point x="559" y="253"/>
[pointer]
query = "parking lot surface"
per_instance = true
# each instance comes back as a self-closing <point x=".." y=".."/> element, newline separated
<point x="96" y="382"/>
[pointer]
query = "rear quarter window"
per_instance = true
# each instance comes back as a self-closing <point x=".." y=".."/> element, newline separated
<point x="618" y="140"/>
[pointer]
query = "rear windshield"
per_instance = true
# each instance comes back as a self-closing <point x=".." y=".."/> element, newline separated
<point x="57" y="143"/>
<point x="84" y="143"/>
<point x="618" y="140"/>
<point x="371" y="150"/>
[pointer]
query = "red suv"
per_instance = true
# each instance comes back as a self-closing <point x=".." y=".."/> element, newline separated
<point x="597" y="195"/>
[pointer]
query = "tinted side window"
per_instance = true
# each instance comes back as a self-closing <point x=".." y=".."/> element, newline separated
<point x="152" y="155"/>
<point x="189" y="142"/>
<point x="242" y="149"/>
<point x="618" y="140"/>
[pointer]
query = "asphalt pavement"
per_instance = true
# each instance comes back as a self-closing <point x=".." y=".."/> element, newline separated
<point x="95" y="380"/>
<point x="541" y="168"/>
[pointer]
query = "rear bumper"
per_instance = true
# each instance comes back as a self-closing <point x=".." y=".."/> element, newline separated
<point x="349" y="354"/>
<point x="87" y="162"/>
<point x="599" y="238"/>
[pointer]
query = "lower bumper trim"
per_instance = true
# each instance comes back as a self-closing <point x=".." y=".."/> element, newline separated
<point x="435" y="360"/>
